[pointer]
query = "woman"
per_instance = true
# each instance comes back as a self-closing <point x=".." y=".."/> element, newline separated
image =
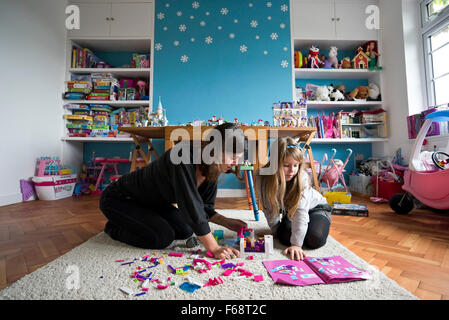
<point x="305" y="213"/>
<point x="139" y="205"/>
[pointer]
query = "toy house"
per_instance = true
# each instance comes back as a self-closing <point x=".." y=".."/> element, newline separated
<point x="361" y="60"/>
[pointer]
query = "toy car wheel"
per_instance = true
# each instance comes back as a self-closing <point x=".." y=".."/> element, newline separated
<point x="401" y="203"/>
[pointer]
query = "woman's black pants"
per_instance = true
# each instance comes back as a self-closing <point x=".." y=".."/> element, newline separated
<point x="150" y="226"/>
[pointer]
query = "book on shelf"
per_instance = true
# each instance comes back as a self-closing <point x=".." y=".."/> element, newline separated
<point x="85" y="58"/>
<point x="355" y="124"/>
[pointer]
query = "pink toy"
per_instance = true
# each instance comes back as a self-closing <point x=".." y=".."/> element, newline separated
<point x="332" y="175"/>
<point x="176" y="254"/>
<point x="210" y="254"/>
<point x="429" y="187"/>
<point x="258" y="278"/>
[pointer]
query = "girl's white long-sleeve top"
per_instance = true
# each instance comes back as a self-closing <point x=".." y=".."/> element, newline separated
<point x="300" y="220"/>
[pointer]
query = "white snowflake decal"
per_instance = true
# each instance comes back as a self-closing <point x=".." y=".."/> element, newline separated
<point x="184" y="59"/>
<point x="160" y="16"/>
<point x="176" y="43"/>
<point x="284" y="8"/>
<point x="269" y="17"/>
<point x="208" y="40"/>
<point x="202" y="23"/>
<point x="269" y="4"/>
<point x="192" y="39"/>
<point x="192" y="17"/>
<point x="285" y="48"/>
<point x="243" y="48"/>
<point x="158" y="46"/>
<point x="282" y="25"/>
<point x="236" y="21"/>
<point x="165" y="28"/>
<point x="182" y="28"/>
<point x="167" y="5"/>
<point x="284" y="64"/>
<point x="257" y="37"/>
<point x="231" y="35"/>
<point x="274" y="36"/>
<point x="254" y="24"/>
<point x="265" y="52"/>
<point x="207" y="13"/>
<point x="195" y="5"/>
<point x="250" y="5"/>
<point x="224" y="11"/>
<point x="179" y="13"/>
<point x="219" y="27"/>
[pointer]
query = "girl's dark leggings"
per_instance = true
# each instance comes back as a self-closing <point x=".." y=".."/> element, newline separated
<point x="150" y="226"/>
<point x="317" y="231"/>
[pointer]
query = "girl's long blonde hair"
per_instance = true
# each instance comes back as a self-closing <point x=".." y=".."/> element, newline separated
<point x="276" y="193"/>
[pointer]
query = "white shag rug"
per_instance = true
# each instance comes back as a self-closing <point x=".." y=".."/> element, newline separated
<point x="89" y="272"/>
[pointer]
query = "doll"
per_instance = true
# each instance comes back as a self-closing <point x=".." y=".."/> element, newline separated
<point x="373" y="54"/>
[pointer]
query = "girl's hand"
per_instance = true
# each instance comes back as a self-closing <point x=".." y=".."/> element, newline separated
<point x="226" y="253"/>
<point x="296" y="253"/>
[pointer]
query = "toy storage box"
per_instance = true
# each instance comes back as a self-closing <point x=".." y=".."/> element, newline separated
<point x="387" y="189"/>
<point x="361" y="184"/>
<point x="54" y="187"/>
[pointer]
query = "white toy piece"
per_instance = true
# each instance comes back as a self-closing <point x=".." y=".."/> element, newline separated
<point x="333" y="59"/>
<point x="374" y="91"/>
<point x="322" y="94"/>
<point x="268" y="245"/>
<point x="126" y="290"/>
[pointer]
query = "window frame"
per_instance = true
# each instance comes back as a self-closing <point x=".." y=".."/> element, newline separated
<point x="431" y="27"/>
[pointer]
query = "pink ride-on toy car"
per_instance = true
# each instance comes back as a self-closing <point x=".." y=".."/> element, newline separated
<point x="430" y="187"/>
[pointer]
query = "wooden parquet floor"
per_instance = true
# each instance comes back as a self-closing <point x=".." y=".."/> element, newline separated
<point x="413" y="250"/>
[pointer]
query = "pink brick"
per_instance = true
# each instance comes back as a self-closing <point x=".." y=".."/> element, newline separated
<point x="258" y="278"/>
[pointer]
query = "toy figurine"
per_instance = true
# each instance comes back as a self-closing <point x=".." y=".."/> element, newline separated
<point x="313" y="58"/>
<point x="373" y="53"/>
<point x="333" y="60"/>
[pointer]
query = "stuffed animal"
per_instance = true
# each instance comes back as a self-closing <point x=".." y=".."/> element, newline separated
<point x="346" y="63"/>
<point x="342" y="89"/>
<point x="336" y="95"/>
<point x="374" y="92"/>
<point x="360" y="93"/>
<point x="324" y="62"/>
<point x="322" y="94"/>
<point x="313" y="59"/>
<point x="333" y="60"/>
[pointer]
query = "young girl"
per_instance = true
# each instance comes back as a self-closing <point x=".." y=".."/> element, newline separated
<point x="305" y="213"/>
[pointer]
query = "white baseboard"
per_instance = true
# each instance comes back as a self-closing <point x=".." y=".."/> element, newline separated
<point x="8" y="199"/>
<point x="231" y="193"/>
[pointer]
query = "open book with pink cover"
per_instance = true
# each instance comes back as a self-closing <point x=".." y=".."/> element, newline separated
<point x="314" y="271"/>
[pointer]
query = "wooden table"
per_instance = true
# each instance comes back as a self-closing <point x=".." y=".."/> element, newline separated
<point x="259" y="135"/>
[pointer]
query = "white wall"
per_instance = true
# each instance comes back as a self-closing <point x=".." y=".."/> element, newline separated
<point x="32" y="61"/>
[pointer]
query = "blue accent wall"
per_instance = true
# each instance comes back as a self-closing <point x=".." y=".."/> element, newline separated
<point x="233" y="58"/>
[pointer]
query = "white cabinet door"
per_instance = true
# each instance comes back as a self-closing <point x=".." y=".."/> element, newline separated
<point x="313" y="19"/>
<point x="93" y="20"/>
<point x="351" y="20"/>
<point x="131" y="19"/>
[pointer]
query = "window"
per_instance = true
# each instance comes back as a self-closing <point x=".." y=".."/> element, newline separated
<point x="435" y="15"/>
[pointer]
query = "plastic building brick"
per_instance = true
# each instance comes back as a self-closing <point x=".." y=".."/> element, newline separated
<point x="176" y="254"/>
<point x="126" y="290"/>
<point x="210" y="254"/>
<point x="189" y="287"/>
<point x="258" y="278"/>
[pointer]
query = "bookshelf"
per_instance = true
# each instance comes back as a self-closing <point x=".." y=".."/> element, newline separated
<point x="115" y="48"/>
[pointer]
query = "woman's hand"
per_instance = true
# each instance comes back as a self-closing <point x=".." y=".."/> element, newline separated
<point x="231" y="224"/>
<point x="234" y="224"/>
<point x="226" y="253"/>
<point x="295" y="252"/>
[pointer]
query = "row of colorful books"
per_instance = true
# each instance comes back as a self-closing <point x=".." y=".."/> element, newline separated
<point x="85" y="58"/>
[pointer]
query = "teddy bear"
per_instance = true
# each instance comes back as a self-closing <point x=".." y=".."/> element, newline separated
<point x="360" y="93"/>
